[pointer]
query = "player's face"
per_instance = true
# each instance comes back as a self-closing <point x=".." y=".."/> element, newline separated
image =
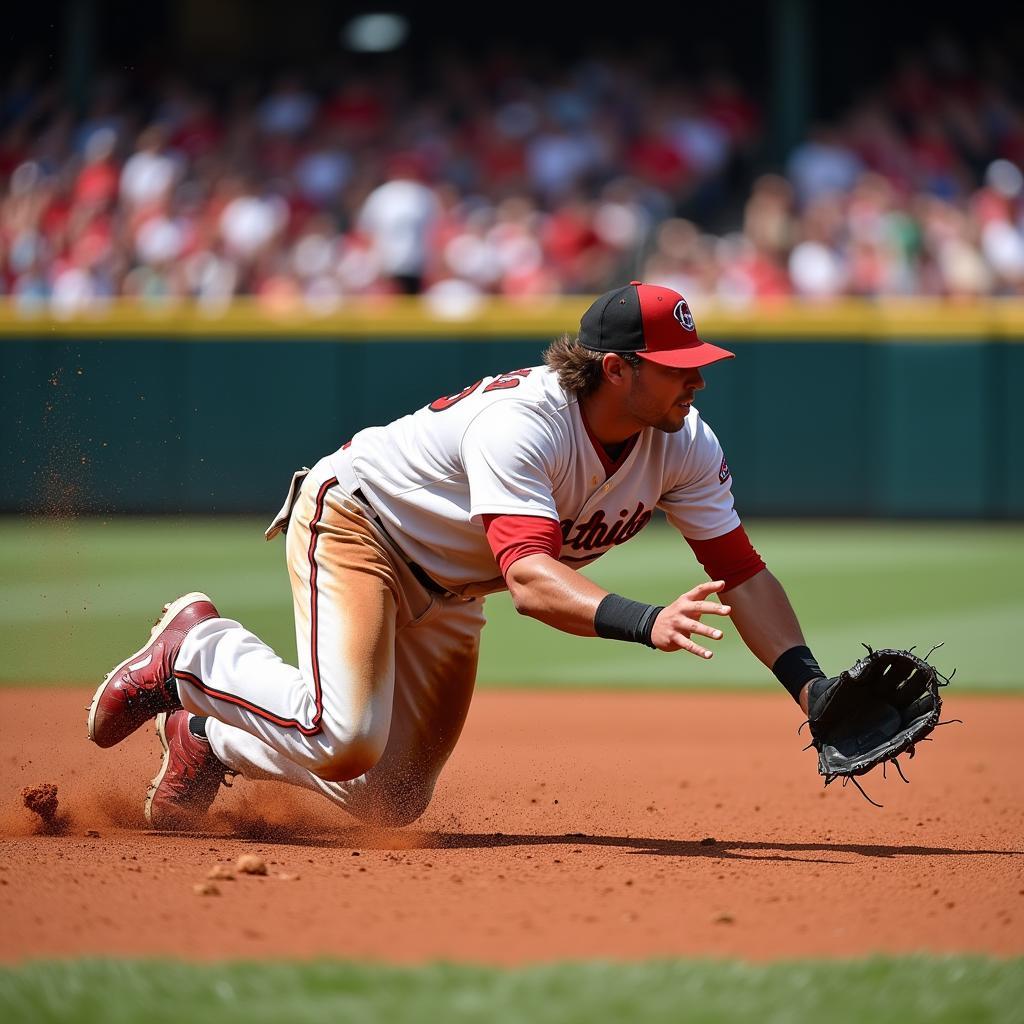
<point x="660" y="396"/>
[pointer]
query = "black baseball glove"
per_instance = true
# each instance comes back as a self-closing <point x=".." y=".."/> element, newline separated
<point x="873" y="712"/>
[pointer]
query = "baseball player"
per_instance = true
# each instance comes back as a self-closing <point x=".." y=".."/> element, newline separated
<point x="394" y="540"/>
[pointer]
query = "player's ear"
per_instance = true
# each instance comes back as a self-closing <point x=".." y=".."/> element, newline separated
<point x="616" y="369"/>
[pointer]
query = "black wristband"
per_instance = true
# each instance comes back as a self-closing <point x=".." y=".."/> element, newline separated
<point x="795" y="668"/>
<point x="618" y="618"/>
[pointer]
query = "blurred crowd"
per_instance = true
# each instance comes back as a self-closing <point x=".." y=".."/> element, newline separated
<point x="498" y="181"/>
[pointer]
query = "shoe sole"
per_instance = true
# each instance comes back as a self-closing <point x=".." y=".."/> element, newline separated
<point x="161" y="731"/>
<point x="170" y="610"/>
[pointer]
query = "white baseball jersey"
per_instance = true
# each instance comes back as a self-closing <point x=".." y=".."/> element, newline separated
<point x="517" y="444"/>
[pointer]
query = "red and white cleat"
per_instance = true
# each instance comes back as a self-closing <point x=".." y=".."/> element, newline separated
<point x="189" y="777"/>
<point x="143" y="685"/>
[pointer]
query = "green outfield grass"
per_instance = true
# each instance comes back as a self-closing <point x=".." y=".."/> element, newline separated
<point x="911" y="990"/>
<point x="77" y="596"/>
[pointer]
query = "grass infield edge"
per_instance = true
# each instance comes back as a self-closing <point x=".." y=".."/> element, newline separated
<point x="910" y="988"/>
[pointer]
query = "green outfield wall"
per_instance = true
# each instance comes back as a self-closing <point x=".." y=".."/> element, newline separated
<point x="857" y="411"/>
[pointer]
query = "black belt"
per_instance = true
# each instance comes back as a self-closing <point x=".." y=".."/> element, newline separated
<point x="417" y="570"/>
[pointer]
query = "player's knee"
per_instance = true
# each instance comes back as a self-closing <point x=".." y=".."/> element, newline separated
<point x="352" y="758"/>
<point x="348" y="750"/>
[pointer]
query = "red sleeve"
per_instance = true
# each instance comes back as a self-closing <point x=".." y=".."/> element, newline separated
<point x="730" y="557"/>
<point x="514" y="537"/>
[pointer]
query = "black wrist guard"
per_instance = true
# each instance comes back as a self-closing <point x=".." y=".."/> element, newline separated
<point x="795" y="668"/>
<point x="618" y="618"/>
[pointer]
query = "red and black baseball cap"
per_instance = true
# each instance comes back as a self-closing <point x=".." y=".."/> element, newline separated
<point x="653" y="322"/>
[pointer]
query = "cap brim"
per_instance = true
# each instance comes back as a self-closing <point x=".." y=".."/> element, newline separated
<point x="689" y="358"/>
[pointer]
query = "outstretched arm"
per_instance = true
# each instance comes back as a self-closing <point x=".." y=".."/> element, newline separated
<point x="765" y="620"/>
<point x="764" y="617"/>
<point x="545" y="589"/>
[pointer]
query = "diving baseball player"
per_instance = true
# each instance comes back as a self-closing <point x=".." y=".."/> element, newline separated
<point x="394" y="541"/>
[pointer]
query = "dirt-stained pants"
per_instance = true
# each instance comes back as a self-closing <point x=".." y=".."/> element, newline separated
<point x="385" y="675"/>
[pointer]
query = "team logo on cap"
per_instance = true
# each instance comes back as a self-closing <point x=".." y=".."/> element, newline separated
<point x="683" y="315"/>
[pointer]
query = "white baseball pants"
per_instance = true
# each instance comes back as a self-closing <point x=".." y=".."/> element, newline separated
<point x="385" y="676"/>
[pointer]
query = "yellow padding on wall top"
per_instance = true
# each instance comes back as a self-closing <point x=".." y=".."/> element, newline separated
<point x="409" y="318"/>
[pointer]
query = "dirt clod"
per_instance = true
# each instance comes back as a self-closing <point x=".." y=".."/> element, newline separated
<point x="206" y="889"/>
<point x="251" y="864"/>
<point x="41" y="800"/>
<point x="221" y="872"/>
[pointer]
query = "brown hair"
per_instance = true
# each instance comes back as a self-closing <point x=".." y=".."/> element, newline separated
<point x="580" y="369"/>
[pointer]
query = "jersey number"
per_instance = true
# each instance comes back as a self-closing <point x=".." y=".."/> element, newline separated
<point x="512" y="379"/>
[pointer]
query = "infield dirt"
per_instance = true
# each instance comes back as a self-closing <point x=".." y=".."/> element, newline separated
<point x="567" y="825"/>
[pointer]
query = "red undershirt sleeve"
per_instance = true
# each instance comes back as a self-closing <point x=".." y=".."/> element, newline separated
<point x="730" y="557"/>
<point x="515" y="537"/>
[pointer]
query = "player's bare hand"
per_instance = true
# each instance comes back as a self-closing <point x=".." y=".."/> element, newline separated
<point x="678" y="621"/>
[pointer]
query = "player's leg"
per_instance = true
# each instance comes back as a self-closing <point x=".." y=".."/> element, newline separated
<point x="435" y="674"/>
<point x="436" y="663"/>
<point x="330" y="715"/>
